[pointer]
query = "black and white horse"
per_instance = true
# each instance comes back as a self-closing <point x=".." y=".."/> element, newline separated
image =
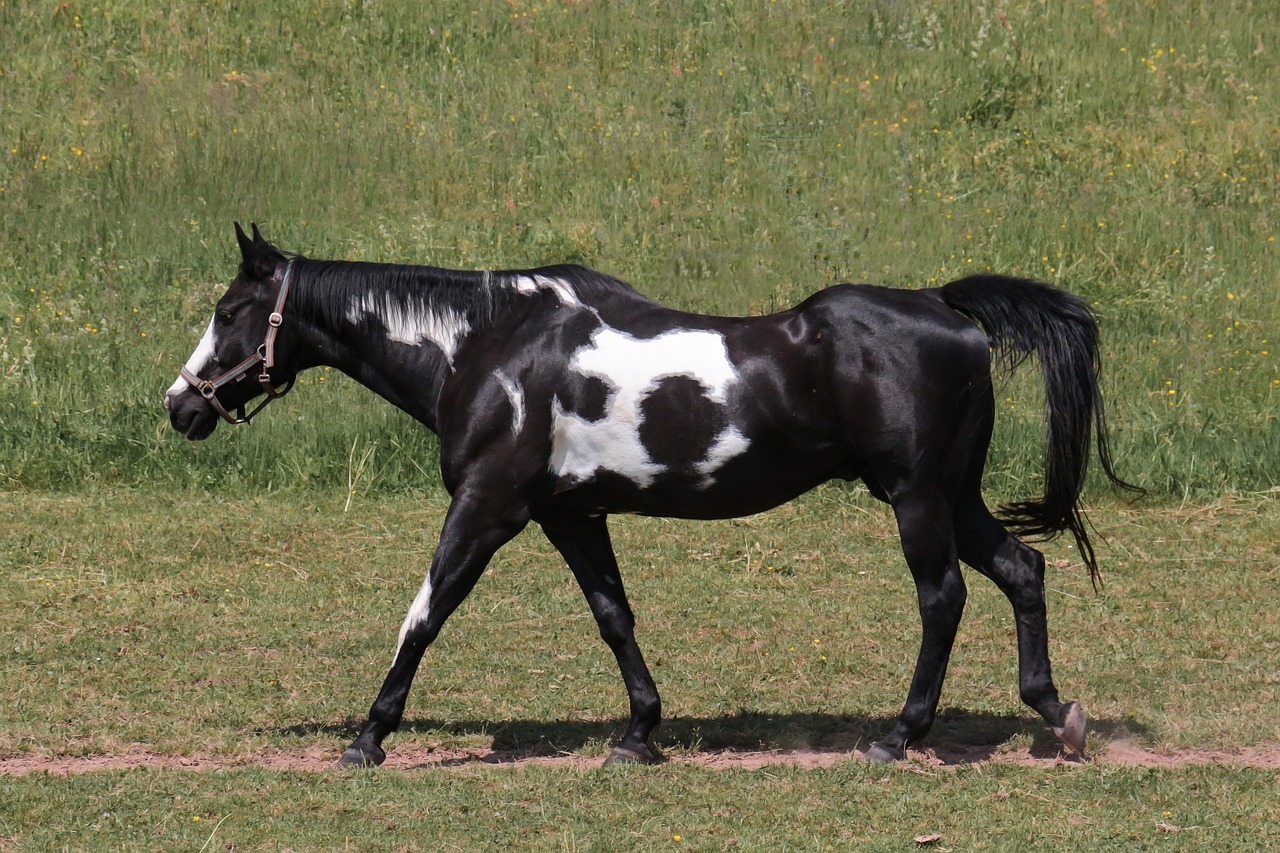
<point x="561" y="395"/>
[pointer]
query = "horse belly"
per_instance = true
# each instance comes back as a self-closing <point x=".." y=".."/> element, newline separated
<point x="760" y="478"/>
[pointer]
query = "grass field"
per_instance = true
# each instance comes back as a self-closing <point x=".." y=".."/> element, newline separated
<point x="234" y="631"/>
<point x="240" y="597"/>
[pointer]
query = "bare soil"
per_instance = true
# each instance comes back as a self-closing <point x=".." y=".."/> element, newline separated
<point x="317" y="760"/>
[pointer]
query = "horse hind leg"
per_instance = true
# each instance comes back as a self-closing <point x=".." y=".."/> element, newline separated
<point x="1018" y="570"/>
<point x="584" y="544"/>
<point x="925" y="528"/>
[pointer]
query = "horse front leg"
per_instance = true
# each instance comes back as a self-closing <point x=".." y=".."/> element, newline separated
<point x="927" y="542"/>
<point x="584" y="544"/>
<point x="472" y="533"/>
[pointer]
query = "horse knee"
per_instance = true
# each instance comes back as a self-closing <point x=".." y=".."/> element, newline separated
<point x="616" y="631"/>
<point x="616" y="623"/>
<point x="945" y="601"/>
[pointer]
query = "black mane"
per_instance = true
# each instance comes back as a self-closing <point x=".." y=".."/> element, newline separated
<point x="483" y="297"/>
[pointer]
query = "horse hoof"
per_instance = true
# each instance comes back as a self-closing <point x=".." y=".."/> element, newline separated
<point x="1073" y="728"/>
<point x="627" y="755"/>
<point x="882" y="755"/>
<point x="362" y="756"/>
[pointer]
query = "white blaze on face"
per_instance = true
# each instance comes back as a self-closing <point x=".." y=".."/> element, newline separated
<point x="198" y="360"/>
<point x="412" y="325"/>
<point x="633" y="369"/>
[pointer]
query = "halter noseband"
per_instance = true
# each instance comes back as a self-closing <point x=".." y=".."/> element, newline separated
<point x="264" y="355"/>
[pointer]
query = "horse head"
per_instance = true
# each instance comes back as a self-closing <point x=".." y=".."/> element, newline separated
<point x="238" y="359"/>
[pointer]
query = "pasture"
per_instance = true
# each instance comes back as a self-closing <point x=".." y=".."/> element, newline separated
<point x="189" y="633"/>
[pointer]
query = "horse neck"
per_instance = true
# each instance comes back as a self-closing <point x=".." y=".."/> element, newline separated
<point x="396" y="330"/>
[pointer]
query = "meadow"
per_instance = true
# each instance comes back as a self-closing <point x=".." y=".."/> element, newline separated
<point x="239" y="598"/>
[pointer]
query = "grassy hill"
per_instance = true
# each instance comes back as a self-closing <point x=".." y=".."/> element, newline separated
<point x="726" y="157"/>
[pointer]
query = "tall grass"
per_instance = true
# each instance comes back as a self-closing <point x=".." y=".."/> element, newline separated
<point x="725" y="157"/>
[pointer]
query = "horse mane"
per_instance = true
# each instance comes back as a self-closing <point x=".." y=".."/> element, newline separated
<point x="587" y="283"/>
<point x="482" y="297"/>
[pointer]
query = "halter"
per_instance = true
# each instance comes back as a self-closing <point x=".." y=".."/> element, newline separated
<point x="264" y="355"/>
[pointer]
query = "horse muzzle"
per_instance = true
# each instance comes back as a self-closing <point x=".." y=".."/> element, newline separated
<point x="191" y="415"/>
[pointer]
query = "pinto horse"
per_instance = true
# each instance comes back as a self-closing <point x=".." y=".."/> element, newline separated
<point x="561" y="395"/>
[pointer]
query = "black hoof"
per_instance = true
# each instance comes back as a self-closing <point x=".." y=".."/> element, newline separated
<point x="1073" y="729"/>
<point x="362" y="756"/>
<point x="630" y="755"/>
<point x="883" y="755"/>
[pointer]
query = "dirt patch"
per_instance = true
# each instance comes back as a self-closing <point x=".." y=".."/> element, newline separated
<point x="1130" y="754"/>
<point x="318" y="759"/>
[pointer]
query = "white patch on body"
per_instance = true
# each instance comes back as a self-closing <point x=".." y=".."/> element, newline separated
<point x="561" y="288"/>
<point x="633" y="369"/>
<point x="197" y="362"/>
<point x="417" y="615"/>
<point x="728" y="444"/>
<point x="579" y="448"/>
<point x="412" y="325"/>
<point x="516" y="396"/>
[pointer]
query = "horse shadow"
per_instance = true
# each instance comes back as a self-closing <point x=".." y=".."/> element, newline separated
<point x="959" y="737"/>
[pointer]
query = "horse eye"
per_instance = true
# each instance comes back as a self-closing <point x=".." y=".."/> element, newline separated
<point x="225" y="317"/>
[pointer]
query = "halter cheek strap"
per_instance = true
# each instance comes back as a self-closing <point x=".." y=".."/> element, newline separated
<point x="265" y="355"/>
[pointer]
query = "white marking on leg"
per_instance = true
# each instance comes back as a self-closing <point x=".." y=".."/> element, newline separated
<point x="516" y="396"/>
<point x="198" y="361"/>
<point x="633" y="368"/>
<point x="417" y="615"/>
<point x="411" y="324"/>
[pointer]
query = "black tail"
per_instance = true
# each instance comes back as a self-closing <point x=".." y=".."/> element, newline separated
<point x="1023" y="317"/>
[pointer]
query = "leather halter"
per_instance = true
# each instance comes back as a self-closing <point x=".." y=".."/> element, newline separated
<point x="264" y="355"/>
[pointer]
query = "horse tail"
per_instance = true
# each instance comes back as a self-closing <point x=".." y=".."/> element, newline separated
<point x="1022" y="318"/>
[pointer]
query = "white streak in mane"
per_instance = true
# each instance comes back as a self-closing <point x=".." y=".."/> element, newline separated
<point x="409" y="324"/>
<point x="562" y="289"/>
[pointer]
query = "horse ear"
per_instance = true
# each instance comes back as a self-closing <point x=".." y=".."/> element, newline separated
<point x="259" y="258"/>
<point x="248" y="251"/>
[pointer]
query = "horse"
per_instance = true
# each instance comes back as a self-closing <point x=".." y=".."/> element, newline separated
<point x="561" y="395"/>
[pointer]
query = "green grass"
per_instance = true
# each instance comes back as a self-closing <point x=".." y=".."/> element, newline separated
<point x="234" y="629"/>
<point x="724" y="157"/>
<point x="845" y="808"/>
